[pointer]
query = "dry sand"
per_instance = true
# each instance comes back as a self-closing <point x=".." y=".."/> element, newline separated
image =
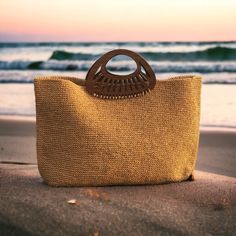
<point x="206" y="206"/>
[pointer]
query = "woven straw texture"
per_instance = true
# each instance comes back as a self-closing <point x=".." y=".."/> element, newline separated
<point x="87" y="141"/>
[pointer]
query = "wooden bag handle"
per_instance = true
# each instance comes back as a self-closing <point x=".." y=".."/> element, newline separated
<point x="101" y="83"/>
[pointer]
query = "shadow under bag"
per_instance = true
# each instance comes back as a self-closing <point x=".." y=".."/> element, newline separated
<point x="117" y="129"/>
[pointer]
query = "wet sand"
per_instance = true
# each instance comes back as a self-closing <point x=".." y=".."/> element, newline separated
<point x="29" y="207"/>
<point x="217" y="148"/>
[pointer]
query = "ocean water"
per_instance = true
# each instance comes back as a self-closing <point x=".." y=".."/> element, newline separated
<point x="215" y="61"/>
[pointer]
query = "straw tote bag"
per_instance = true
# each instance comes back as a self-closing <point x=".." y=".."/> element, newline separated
<point x="117" y="129"/>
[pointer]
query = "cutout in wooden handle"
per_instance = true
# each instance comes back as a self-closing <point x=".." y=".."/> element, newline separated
<point x="101" y="83"/>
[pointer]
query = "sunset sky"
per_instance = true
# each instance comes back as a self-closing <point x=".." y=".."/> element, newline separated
<point x="117" y="20"/>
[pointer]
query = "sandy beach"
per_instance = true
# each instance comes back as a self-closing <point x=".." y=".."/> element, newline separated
<point x="217" y="149"/>
<point x="187" y="208"/>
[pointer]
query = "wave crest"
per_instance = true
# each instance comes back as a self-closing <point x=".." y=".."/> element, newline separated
<point x="210" y="54"/>
<point x="158" y="67"/>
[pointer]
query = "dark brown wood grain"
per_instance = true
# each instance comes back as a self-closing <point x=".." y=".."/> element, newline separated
<point x="103" y="84"/>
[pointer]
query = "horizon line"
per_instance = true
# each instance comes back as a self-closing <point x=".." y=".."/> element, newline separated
<point x="119" y="41"/>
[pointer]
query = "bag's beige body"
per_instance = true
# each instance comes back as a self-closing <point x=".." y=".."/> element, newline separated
<point x="86" y="141"/>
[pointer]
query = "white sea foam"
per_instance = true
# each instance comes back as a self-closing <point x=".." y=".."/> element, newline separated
<point x="215" y="61"/>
